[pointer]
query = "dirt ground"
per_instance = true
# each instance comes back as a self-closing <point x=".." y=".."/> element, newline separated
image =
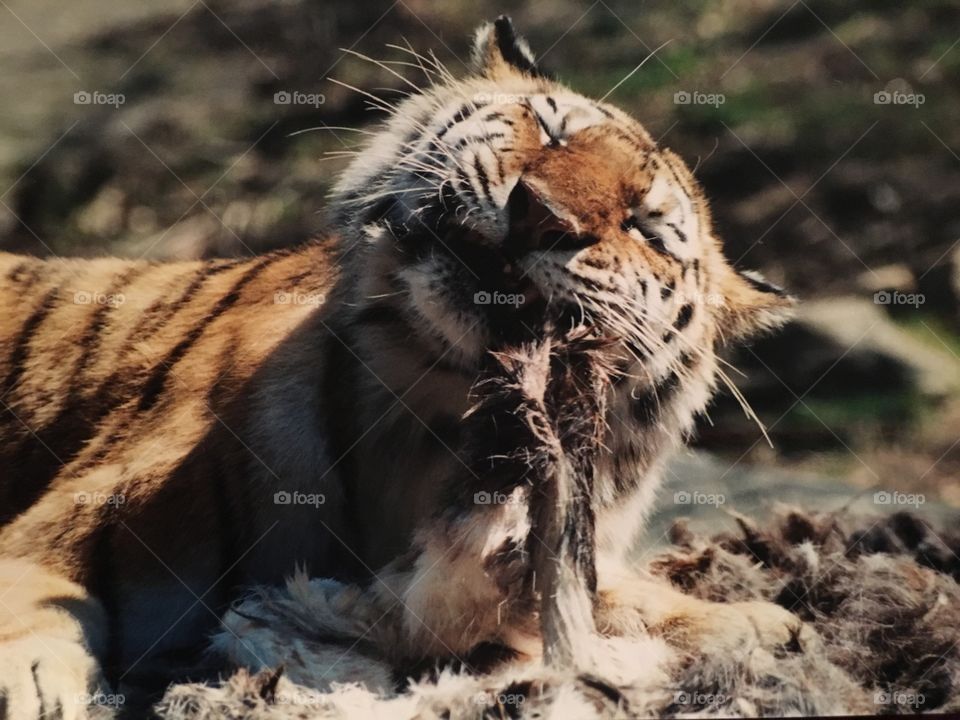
<point x="825" y="134"/>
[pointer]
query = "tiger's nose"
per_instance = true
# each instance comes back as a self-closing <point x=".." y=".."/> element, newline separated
<point x="534" y="225"/>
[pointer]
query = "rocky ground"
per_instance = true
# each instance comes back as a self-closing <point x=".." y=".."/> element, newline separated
<point x="824" y="132"/>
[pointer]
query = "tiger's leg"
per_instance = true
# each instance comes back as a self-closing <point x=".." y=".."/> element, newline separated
<point x="631" y="604"/>
<point x="465" y="582"/>
<point x="50" y="633"/>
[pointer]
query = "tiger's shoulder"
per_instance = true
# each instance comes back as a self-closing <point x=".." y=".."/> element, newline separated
<point x="96" y="354"/>
<point x="116" y="305"/>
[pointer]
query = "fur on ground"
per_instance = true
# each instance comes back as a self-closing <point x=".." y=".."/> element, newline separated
<point x="881" y="593"/>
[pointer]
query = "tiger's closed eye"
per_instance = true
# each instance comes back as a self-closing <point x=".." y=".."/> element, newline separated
<point x="646" y="233"/>
<point x="632" y="222"/>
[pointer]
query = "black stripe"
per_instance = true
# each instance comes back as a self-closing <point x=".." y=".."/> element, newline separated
<point x="552" y="103"/>
<point x="630" y="140"/>
<point x="681" y="236"/>
<point x="89" y="342"/>
<point x="38" y="457"/>
<point x="603" y="111"/>
<point x="467" y="186"/>
<point x="656" y="242"/>
<point x="667" y="290"/>
<point x="497" y="115"/>
<point x="157" y="380"/>
<point x="465" y="111"/>
<point x="683" y="317"/>
<point x="463" y="142"/>
<point x="161" y="311"/>
<point x="508" y="44"/>
<point x="21" y="346"/>
<point x="501" y="172"/>
<point x="600" y="262"/>
<point x="122" y="383"/>
<point x="482" y="177"/>
<point x="593" y="285"/>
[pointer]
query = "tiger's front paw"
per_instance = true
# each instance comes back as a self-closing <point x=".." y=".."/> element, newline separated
<point x="47" y="677"/>
<point x="719" y="628"/>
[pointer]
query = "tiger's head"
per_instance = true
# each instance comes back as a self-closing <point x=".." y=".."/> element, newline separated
<point x="492" y="202"/>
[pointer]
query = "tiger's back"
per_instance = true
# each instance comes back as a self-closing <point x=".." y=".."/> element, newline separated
<point x="124" y="413"/>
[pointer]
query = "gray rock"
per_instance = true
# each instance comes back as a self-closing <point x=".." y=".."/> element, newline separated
<point x="708" y="490"/>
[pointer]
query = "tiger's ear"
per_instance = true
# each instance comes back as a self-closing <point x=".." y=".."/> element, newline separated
<point x="750" y="305"/>
<point x="499" y="52"/>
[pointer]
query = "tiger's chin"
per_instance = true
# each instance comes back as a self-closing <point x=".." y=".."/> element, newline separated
<point x="471" y="297"/>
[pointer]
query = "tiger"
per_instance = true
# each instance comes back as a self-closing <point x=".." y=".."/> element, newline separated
<point x="174" y="432"/>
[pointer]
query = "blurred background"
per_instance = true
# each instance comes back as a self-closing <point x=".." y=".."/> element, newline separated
<point x="825" y="133"/>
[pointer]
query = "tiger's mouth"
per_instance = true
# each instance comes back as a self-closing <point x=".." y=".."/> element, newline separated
<point x="502" y="263"/>
<point x="489" y="277"/>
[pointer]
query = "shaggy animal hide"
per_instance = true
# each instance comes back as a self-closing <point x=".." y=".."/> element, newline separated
<point x="882" y="595"/>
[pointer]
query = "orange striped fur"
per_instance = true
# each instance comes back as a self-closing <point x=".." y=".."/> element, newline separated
<point x="173" y="432"/>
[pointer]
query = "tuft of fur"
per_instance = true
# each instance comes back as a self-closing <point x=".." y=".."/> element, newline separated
<point x="555" y="391"/>
<point x="886" y="613"/>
